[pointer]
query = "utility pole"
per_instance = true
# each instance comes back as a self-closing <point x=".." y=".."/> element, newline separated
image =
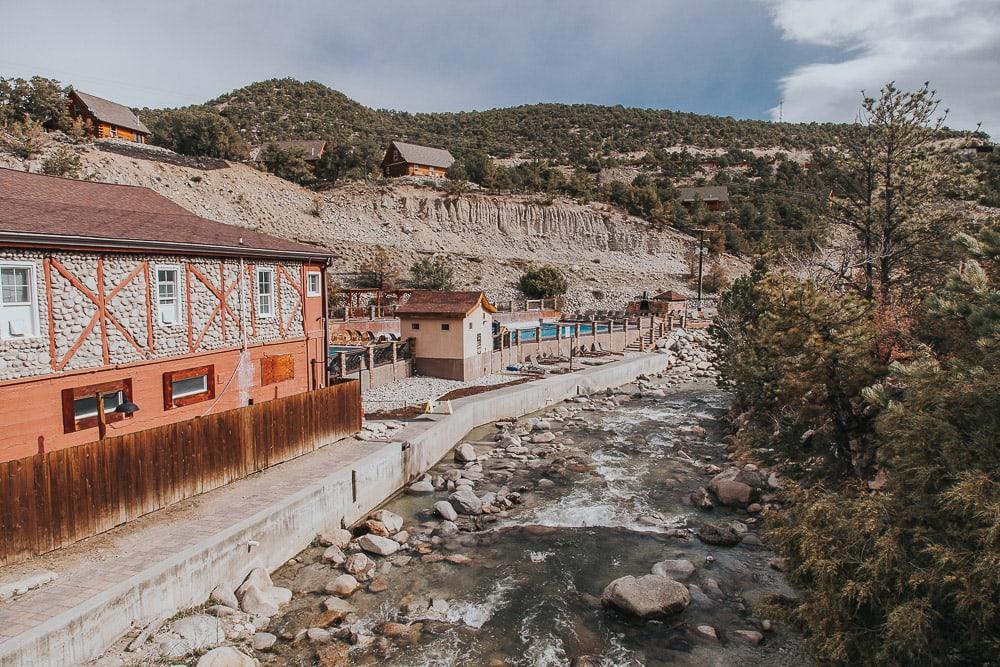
<point x="701" y="262"/>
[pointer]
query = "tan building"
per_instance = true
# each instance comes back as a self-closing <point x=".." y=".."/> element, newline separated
<point x="452" y="333"/>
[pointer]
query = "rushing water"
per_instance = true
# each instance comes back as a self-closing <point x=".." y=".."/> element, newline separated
<point x="530" y="595"/>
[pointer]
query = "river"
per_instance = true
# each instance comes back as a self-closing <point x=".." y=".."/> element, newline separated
<point x="612" y="501"/>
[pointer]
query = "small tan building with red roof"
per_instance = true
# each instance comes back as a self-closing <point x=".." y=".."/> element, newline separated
<point x="116" y="291"/>
<point x="452" y="333"/>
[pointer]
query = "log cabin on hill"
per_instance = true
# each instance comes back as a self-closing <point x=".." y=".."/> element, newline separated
<point x="108" y="120"/>
<point x="116" y="291"/>
<point x="403" y="159"/>
<point x="716" y="197"/>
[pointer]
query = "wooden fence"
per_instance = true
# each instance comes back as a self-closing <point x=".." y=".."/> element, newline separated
<point x="53" y="499"/>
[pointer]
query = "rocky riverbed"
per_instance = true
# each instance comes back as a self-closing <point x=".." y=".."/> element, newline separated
<point x="608" y="530"/>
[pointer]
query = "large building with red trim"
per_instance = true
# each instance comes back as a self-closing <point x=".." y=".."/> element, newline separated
<point x="118" y="292"/>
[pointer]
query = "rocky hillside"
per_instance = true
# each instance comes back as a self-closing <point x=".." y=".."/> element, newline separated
<point x="607" y="255"/>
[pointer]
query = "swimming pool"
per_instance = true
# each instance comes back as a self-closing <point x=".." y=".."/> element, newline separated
<point x="549" y="330"/>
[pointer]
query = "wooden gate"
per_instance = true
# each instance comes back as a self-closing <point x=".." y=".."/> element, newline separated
<point x="50" y="500"/>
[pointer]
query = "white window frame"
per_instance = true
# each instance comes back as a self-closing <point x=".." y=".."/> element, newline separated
<point x="178" y="321"/>
<point x="318" y="277"/>
<point x="272" y="306"/>
<point x="31" y="303"/>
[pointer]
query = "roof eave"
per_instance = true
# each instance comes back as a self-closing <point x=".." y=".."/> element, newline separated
<point x="173" y="247"/>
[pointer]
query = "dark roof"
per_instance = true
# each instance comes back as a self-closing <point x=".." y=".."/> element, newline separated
<point x="59" y="211"/>
<point x="425" y="155"/>
<point x="311" y="149"/>
<point x="110" y="112"/>
<point x="707" y="193"/>
<point x="670" y="295"/>
<point x="455" y="304"/>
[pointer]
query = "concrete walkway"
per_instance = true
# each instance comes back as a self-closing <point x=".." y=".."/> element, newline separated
<point x="170" y="560"/>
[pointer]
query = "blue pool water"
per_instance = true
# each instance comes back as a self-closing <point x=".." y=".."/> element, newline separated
<point x="549" y="331"/>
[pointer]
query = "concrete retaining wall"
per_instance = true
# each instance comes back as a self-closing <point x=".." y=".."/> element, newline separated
<point x="371" y="473"/>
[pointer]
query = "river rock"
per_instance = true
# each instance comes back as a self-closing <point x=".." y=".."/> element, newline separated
<point x="701" y="499"/>
<point x="402" y="537"/>
<point x="344" y="585"/>
<point x="338" y="537"/>
<point x="731" y="488"/>
<point x="648" y="596"/>
<point x="224" y="596"/>
<point x="749" y="636"/>
<point x="466" y="502"/>
<point x="200" y="631"/>
<point x="674" y="569"/>
<point x="706" y="632"/>
<point x="376" y="528"/>
<point x="258" y="578"/>
<point x="423" y="486"/>
<point x="318" y="635"/>
<point x="719" y="536"/>
<point x="263" y="641"/>
<point x="543" y="437"/>
<point x="445" y="509"/>
<point x="256" y="602"/>
<point x="508" y="440"/>
<point x="336" y="654"/>
<point x="226" y="656"/>
<point x="392" y="521"/>
<point x="542" y="425"/>
<point x="338" y="604"/>
<point x="446" y="528"/>
<point x="334" y="554"/>
<point x="376" y="544"/>
<point x="359" y="566"/>
<point x="465" y="453"/>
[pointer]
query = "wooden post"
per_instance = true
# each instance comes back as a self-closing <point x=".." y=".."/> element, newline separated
<point x="102" y="425"/>
<point x="394" y="353"/>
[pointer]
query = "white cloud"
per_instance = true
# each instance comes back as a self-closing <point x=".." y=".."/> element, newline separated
<point x="954" y="44"/>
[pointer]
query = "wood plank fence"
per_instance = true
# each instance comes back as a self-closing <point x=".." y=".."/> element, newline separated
<point x="50" y="500"/>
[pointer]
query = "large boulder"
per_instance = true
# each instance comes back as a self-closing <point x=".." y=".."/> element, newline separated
<point x="465" y="453"/>
<point x="648" y="596"/>
<point x="674" y="569"/>
<point x="444" y="508"/>
<point x="420" y="487"/>
<point x="393" y="522"/>
<point x="258" y="578"/>
<point x="376" y="544"/>
<point x="732" y="489"/>
<point x="226" y="656"/>
<point x="224" y="595"/>
<point x="359" y="566"/>
<point x="465" y="501"/>
<point x="337" y="537"/>
<point x="257" y="602"/>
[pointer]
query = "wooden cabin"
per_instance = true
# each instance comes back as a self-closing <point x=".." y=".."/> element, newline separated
<point x="108" y="120"/>
<point x="403" y="159"/>
<point x="716" y="197"/>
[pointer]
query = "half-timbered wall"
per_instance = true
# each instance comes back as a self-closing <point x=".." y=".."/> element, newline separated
<point x="100" y="310"/>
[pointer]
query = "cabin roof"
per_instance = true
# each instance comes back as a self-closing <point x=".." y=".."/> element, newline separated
<point x="425" y="155"/>
<point x="670" y="295"/>
<point x="107" y="111"/>
<point x="707" y="193"/>
<point x="311" y="149"/>
<point x="48" y="210"/>
<point x="444" y="304"/>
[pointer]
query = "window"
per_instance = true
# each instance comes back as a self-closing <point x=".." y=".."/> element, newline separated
<point x="314" y="283"/>
<point x="18" y="306"/>
<point x="114" y="131"/>
<point x="192" y="385"/>
<point x="415" y="326"/>
<point x="80" y="404"/>
<point x="479" y="343"/>
<point x="168" y="301"/>
<point x="265" y="293"/>
<point x="445" y="327"/>
<point x="470" y="325"/>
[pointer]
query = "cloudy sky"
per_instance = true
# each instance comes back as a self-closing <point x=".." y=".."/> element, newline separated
<point x="726" y="57"/>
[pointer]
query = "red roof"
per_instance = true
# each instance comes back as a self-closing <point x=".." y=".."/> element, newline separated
<point x="50" y="210"/>
<point x="450" y="304"/>
<point x="670" y="295"/>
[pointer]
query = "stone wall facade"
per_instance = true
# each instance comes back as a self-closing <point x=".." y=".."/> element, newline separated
<point x="101" y="310"/>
